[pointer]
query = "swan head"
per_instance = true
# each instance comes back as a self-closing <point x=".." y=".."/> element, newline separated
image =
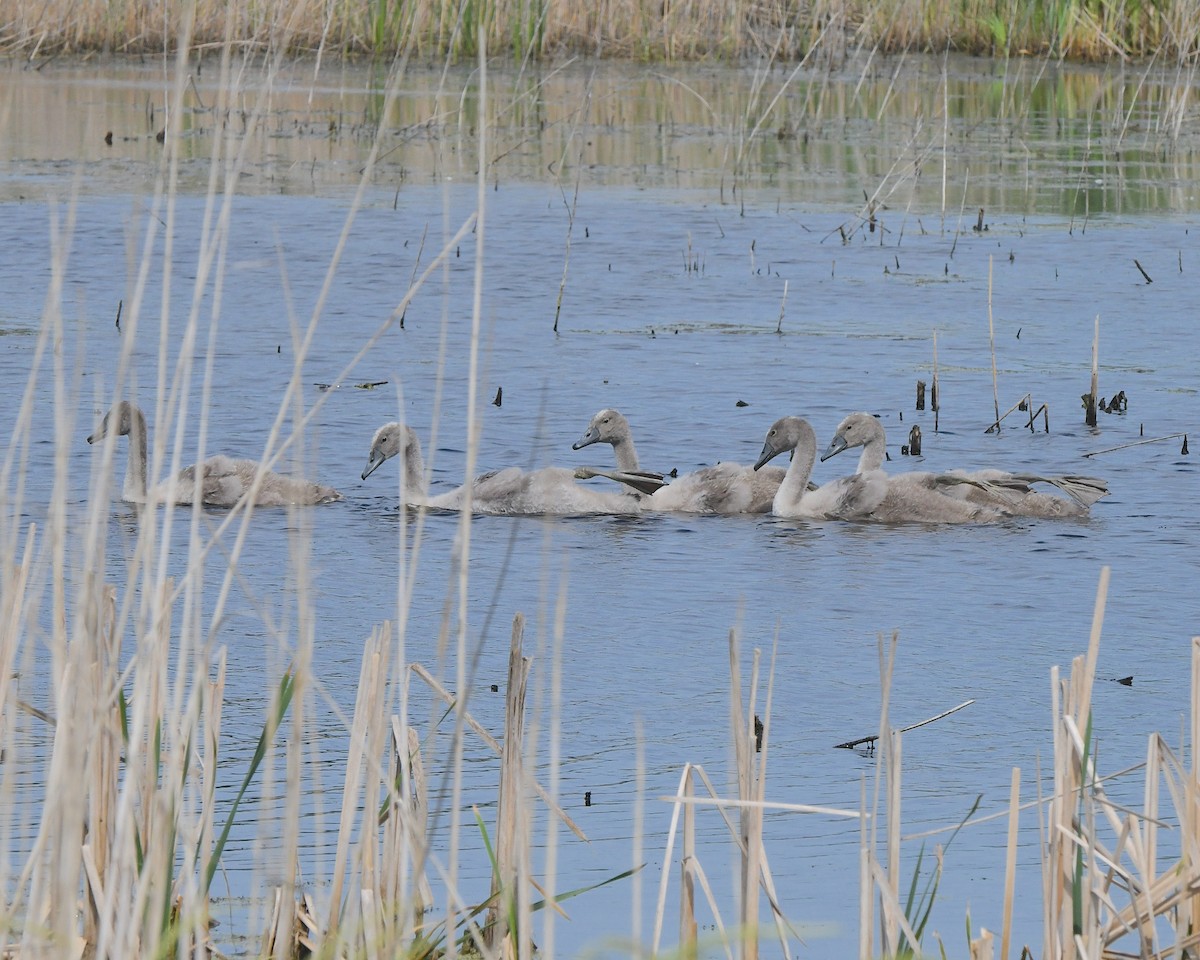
<point x="785" y="435"/>
<point x="608" y="426"/>
<point x="390" y="440"/>
<point x="119" y="421"/>
<point x="856" y="430"/>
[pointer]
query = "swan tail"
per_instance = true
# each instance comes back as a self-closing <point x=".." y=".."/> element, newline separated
<point x="1083" y="490"/>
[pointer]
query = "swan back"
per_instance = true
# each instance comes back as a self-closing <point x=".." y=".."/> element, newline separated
<point x="545" y="492"/>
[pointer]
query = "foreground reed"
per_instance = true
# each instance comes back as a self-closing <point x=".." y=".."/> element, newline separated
<point x="137" y="805"/>
<point x="643" y="30"/>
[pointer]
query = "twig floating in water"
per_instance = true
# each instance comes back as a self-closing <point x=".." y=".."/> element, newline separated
<point x="851" y="744"/>
<point x="1142" y="270"/>
<point x="1138" y="443"/>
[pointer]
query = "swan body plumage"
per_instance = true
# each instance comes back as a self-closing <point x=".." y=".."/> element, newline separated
<point x="721" y="488"/>
<point x="511" y="491"/>
<point x="995" y="492"/>
<point x="219" y="481"/>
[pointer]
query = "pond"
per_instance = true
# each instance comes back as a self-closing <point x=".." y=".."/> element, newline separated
<point x="653" y="240"/>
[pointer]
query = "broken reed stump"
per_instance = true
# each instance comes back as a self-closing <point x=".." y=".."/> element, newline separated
<point x="920" y="394"/>
<point x="914" y="441"/>
<point x="1089" y="399"/>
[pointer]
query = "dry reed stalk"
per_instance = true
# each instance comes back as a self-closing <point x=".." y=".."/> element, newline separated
<point x="1026" y="402"/>
<point x="562" y="285"/>
<point x="743" y="754"/>
<point x="511" y="840"/>
<point x="367" y="705"/>
<point x="406" y="845"/>
<point x="687" y="883"/>
<point x="450" y="700"/>
<point x="866" y="888"/>
<point x="992" y="344"/>
<point x="935" y="397"/>
<point x="1010" y="862"/>
<point x="891" y="761"/>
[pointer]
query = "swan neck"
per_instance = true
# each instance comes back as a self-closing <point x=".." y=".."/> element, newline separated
<point x="795" y="481"/>
<point x="135" y="470"/>
<point x="414" y="474"/>
<point x="871" y="457"/>
<point x="626" y="454"/>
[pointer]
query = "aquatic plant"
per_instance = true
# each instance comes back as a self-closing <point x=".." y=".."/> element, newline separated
<point x="641" y="29"/>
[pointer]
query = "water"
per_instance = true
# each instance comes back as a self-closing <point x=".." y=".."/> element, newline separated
<point x="703" y="317"/>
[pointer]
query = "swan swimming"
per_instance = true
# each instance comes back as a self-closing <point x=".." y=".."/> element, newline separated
<point x="1011" y="493"/>
<point x="847" y="498"/>
<point x="723" y="488"/>
<point x="866" y="495"/>
<point x="511" y="491"/>
<point x="223" y="480"/>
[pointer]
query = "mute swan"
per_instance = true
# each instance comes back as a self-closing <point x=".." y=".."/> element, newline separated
<point x="723" y="488"/>
<point x="512" y="491"/>
<point x="223" y="480"/>
<point x="847" y="498"/>
<point x="866" y="495"/>
<point x="1012" y="493"/>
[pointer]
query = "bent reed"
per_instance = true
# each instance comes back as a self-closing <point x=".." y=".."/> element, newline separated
<point x="650" y="30"/>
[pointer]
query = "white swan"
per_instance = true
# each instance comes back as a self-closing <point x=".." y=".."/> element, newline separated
<point x="723" y="488"/>
<point x="223" y="480"/>
<point x="866" y="495"/>
<point x="847" y="498"/>
<point x="1011" y="493"/>
<point x="512" y="491"/>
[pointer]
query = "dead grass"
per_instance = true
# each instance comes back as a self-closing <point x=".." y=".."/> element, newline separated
<point x="784" y="30"/>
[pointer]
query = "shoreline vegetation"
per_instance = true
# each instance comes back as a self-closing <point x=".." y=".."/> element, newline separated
<point x="639" y="30"/>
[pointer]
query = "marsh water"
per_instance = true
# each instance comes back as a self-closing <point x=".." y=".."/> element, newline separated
<point x="721" y="270"/>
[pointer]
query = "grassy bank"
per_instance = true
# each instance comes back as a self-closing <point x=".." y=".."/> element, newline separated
<point x="633" y="29"/>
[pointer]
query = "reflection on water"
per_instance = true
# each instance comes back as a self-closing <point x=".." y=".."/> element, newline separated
<point x="782" y="316"/>
<point x="1022" y="136"/>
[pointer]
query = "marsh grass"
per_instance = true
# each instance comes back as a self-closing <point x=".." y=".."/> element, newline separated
<point x="135" y="813"/>
<point x="635" y="29"/>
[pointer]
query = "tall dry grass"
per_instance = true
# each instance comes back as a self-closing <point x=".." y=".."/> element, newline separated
<point x="636" y="29"/>
<point x="127" y="832"/>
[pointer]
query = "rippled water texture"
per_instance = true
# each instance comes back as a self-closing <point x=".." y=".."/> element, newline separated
<point x="713" y="283"/>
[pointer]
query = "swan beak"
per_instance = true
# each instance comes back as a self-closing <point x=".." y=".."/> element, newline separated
<point x="592" y="436"/>
<point x="373" y="462"/>
<point x="769" y="452"/>
<point x="92" y="438"/>
<point x="836" y="446"/>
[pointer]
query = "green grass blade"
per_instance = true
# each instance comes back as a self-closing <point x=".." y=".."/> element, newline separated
<point x="287" y="687"/>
